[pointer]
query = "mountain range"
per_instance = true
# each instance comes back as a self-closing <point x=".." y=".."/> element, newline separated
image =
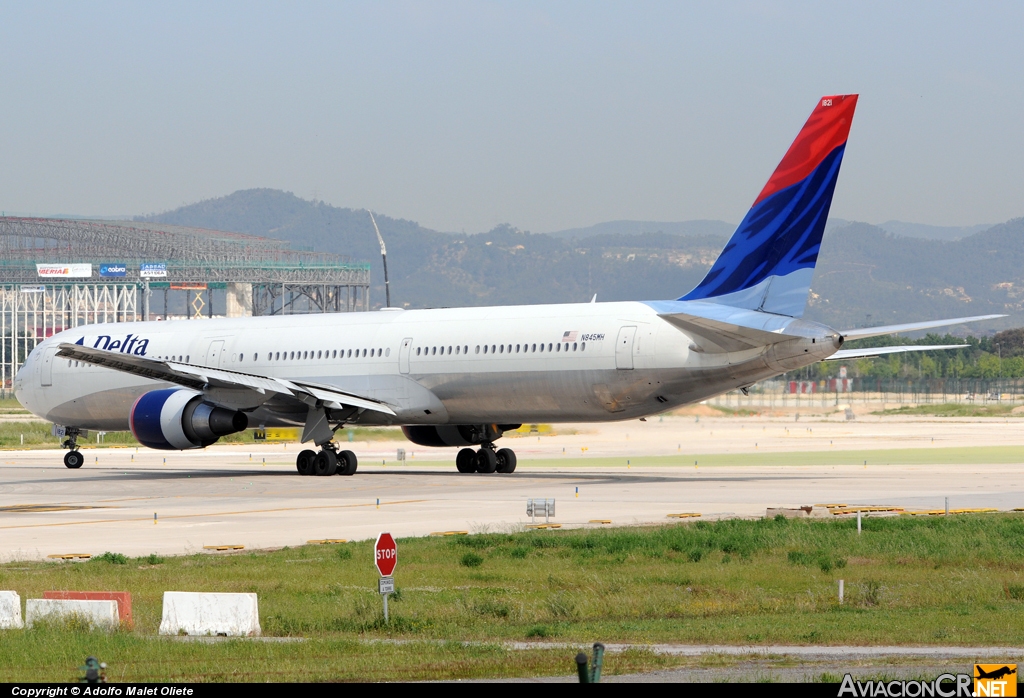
<point x="865" y="274"/>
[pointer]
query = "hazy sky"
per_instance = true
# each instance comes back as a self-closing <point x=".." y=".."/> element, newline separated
<point x="545" y="115"/>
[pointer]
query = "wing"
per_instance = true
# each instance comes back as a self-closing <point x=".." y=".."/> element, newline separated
<point x="862" y="332"/>
<point x="204" y="378"/>
<point x="844" y="354"/>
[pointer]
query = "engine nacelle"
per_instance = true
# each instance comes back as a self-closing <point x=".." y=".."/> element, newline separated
<point x="456" y="435"/>
<point x="177" y="419"/>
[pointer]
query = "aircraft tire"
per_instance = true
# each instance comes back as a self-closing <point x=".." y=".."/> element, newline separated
<point x="506" y="460"/>
<point x="351" y="463"/>
<point x="465" y="461"/>
<point x="325" y="463"/>
<point x="73" y="460"/>
<point x="304" y="462"/>
<point x="486" y="461"/>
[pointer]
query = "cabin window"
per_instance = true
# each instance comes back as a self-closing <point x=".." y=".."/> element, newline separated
<point x="241" y="357"/>
<point x="291" y="356"/>
<point x="387" y="352"/>
<point x="501" y="349"/>
<point x="465" y="349"/>
<point x="364" y="353"/>
<point x="558" y="347"/>
<point x="449" y="351"/>
<point x="477" y="348"/>
<point x="493" y="348"/>
<point x="549" y="346"/>
<point x="574" y="346"/>
<point x="371" y="353"/>
<point x="542" y="347"/>
<point x="350" y="353"/>
<point x="417" y="351"/>
<point x="457" y="350"/>
<point x="186" y="358"/>
<point x="485" y="348"/>
<point x="583" y="346"/>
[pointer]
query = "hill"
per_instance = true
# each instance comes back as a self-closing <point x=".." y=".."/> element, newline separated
<point x="865" y="274"/>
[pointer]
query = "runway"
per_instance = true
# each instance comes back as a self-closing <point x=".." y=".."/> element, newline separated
<point x="252" y="496"/>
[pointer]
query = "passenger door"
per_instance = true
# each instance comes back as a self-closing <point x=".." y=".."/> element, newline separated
<point x="403" y="355"/>
<point x="46" y="367"/>
<point x="624" y="348"/>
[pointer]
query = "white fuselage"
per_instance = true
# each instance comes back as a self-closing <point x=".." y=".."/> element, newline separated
<point x="502" y="365"/>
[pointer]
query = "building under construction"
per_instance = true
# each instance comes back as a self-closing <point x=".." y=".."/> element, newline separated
<point x="56" y="274"/>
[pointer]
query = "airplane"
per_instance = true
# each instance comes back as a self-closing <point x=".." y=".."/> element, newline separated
<point x="461" y="377"/>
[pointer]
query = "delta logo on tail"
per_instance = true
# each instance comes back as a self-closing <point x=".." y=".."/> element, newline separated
<point x="769" y="261"/>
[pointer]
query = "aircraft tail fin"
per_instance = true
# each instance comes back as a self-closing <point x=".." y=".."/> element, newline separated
<point x="769" y="261"/>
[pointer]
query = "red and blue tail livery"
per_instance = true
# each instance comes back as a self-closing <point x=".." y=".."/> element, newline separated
<point x="769" y="261"/>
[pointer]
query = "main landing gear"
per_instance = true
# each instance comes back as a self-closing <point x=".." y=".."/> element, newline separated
<point x="73" y="458"/>
<point x="329" y="461"/>
<point x="486" y="460"/>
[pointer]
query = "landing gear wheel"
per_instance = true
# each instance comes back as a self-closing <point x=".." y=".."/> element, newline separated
<point x="506" y="460"/>
<point x="325" y="463"/>
<point x="304" y="463"/>
<point x="465" y="462"/>
<point x="73" y="460"/>
<point x="350" y="461"/>
<point x="486" y="461"/>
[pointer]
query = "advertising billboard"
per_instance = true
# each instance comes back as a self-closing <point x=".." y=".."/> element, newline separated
<point x="153" y="270"/>
<point x="113" y="270"/>
<point x="68" y="271"/>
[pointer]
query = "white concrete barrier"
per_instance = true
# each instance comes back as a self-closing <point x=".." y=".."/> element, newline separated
<point x="192" y="613"/>
<point x="10" y="610"/>
<point x="99" y="614"/>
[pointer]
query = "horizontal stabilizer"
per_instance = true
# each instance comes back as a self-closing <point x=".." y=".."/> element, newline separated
<point x="200" y="377"/>
<point x="862" y="332"/>
<point x="867" y="353"/>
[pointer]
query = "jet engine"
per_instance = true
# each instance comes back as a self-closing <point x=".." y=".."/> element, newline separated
<point x="177" y="419"/>
<point x="456" y="435"/>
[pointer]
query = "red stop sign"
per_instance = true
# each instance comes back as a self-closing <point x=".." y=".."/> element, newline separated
<point x="385" y="554"/>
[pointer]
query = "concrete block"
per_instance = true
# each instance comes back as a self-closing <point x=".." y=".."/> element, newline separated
<point x="123" y="599"/>
<point x="10" y="610"/>
<point x="233" y="615"/>
<point x="98" y="613"/>
<point x="801" y="513"/>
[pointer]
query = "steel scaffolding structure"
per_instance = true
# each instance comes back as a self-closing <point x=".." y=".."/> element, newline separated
<point x="253" y="275"/>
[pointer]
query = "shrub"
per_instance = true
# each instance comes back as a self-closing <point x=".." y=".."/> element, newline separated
<point x="344" y="553"/>
<point x="696" y="554"/>
<point x="538" y="631"/>
<point x="1015" y="591"/>
<point x="471" y="559"/>
<point x="113" y="558"/>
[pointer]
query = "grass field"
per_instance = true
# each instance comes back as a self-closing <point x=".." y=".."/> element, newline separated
<point x="17" y="435"/>
<point x="952" y="409"/>
<point x="943" y="580"/>
<point x="925" y="455"/>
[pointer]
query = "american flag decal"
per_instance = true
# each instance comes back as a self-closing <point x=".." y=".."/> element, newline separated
<point x="569" y="336"/>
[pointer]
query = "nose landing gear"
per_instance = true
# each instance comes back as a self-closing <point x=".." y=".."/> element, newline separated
<point x="73" y="458"/>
